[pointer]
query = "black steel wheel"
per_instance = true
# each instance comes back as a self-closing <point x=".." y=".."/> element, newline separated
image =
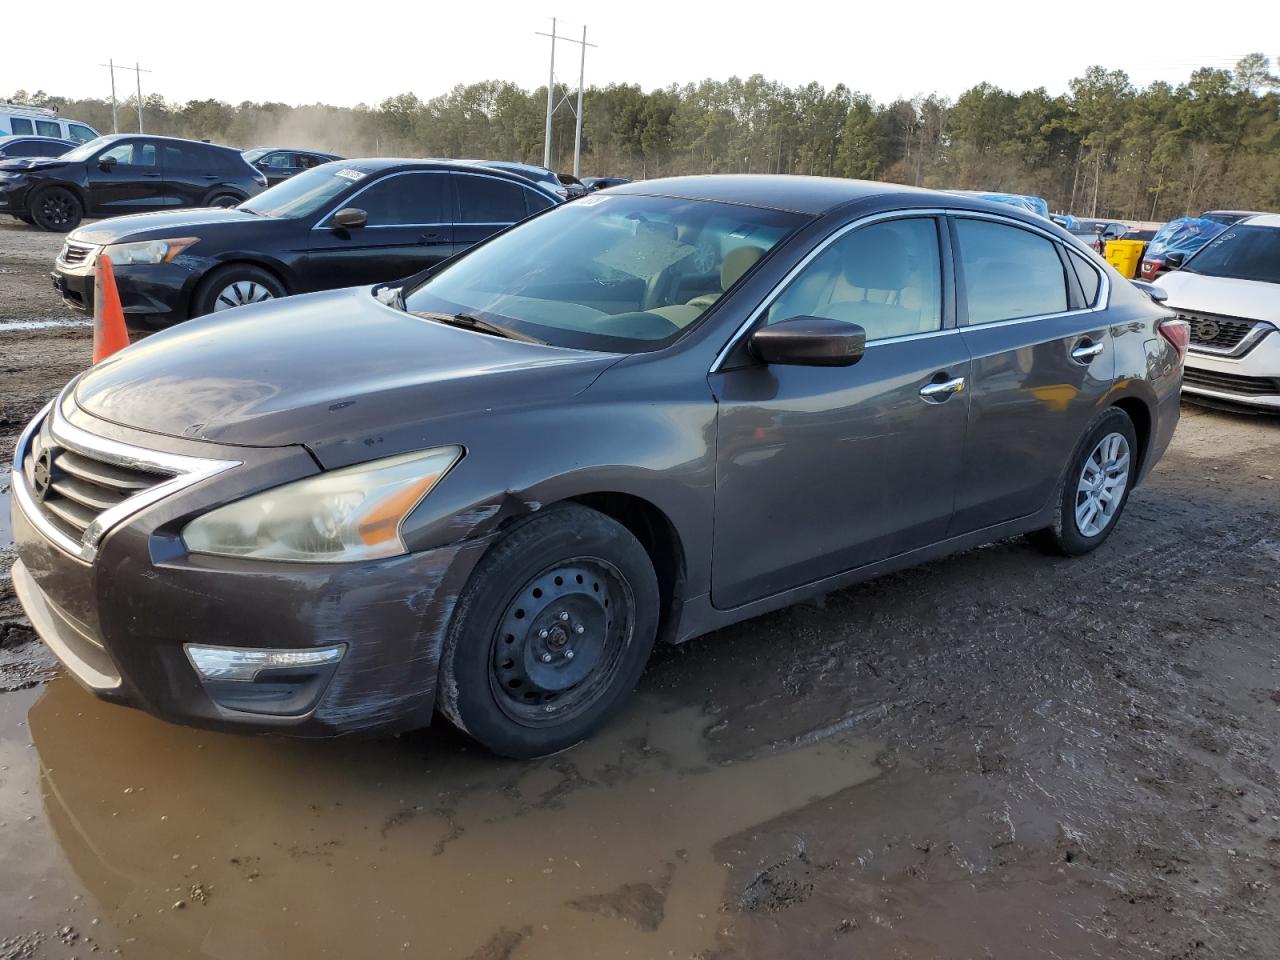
<point x="550" y="634"/>
<point x="56" y="209"/>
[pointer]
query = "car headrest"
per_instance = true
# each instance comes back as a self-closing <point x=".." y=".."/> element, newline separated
<point x="736" y="263"/>
<point x="876" y="260"/>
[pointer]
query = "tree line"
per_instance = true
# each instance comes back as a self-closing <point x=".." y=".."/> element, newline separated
<point x="1105" y="148"/>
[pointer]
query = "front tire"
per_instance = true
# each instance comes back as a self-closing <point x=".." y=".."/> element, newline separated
<point x="1096" y="487"/>
<point x="235" y="285"/>
<point x="225" y="201"/>
<point x="56" y="209"/>
<point x="551" y="633"/>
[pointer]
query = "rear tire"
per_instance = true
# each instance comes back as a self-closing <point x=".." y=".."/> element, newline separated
<point x="25" y="218"/>
<point x="551" y="633"/>
<point x="225" y="201"/>
<point x="1095" y="488"/>
<point x="235" y="285"/>
<point x="56" y="209"/>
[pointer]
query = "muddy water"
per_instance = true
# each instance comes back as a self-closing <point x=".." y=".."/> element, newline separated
<point x="421" y="846"/>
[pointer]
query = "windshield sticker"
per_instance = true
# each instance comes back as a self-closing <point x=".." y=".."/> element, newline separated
<point x="350" y="174"/>
<point x="590" y="201"/>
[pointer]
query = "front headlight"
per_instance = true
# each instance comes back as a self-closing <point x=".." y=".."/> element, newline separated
<point x="9" y="175"/>
<point x="350" y="514"/>
<point x="147" y="251"/>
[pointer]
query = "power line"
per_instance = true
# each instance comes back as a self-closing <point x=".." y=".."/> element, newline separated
<point x="138" y="70"/>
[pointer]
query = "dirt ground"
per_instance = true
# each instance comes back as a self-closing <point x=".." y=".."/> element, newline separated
<point x="1000" y="754"/>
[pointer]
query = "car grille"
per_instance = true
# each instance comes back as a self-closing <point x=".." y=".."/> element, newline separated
<point x="1232" y="383"/>
<point x="77" y="488"/>
<point x="74" y="253"/>
<point x="1217" y="333"/>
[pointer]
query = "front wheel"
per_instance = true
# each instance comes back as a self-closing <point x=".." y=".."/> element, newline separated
<point x="1096" y="487"/>
<point x="235" y="285"/>
<point x="56" y="209"/>
<point x="550" y="634"/>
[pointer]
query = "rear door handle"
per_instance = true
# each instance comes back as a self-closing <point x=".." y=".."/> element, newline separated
<point x="1086" y="352"/>
<point x="431" y="238"/>
<point x="938" y="392"/>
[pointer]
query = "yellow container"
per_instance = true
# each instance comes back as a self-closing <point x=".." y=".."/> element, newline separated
<point x="1125" y="256"/>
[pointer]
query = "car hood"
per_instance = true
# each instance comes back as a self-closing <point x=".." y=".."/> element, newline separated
<point x="1252" y="299"/>
<point x="163" y="224"/>
<point x="347" y="376"/>
<point x="27" y="164"/>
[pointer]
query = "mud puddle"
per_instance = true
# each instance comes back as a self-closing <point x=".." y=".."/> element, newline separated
<point x="186" y="843"/>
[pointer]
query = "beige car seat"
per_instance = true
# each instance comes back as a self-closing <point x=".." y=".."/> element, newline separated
<point x="737" y="262"/>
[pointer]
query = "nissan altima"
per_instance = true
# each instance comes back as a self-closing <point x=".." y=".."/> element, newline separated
<point x="489" y="490"/>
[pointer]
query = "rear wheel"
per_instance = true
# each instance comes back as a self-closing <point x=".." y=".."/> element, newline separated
<point x="225" y="201"/>
<point x="551" y="633"/>
<point x="235" y="285"/>
<point x="56" y="209"/>
<point x="1096" y="487"/>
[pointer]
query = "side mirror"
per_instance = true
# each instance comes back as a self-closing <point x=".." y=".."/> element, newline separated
<point x="106" y="163"/>
<point x="349" y="217"/>
<point x="810" y="342"/>
<point x="1174" y="260"/>
<point x="1157" y="294"/>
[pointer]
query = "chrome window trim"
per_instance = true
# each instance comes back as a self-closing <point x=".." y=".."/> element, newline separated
<point x="186" y="471"/>
<point x="347" y="202"/>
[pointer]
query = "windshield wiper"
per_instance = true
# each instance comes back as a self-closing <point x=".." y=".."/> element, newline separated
<point x="468" y="322"/>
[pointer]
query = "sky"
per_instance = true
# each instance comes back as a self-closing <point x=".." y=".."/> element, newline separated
<point x="347" y="53"/>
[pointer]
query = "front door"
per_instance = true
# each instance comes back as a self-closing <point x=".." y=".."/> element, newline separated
<point x="126" y="178"/>
<point x="1042" y="364"/>
<point x="408" y="229"/>
<point x="824" y="469"/>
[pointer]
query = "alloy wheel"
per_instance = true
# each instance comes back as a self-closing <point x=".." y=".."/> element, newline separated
<point x="560" y="641"/>
<point x="55" y="208"/>
<point x="1103" y="480"/>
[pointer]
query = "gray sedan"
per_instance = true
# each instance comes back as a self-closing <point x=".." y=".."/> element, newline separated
<point x="488" y="490"/>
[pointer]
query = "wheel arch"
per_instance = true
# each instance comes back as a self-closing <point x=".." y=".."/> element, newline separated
<point x="71" y="187"/>
<point x="240" y="259"/>
<point x="221" y="191"/>
<point x="661" y="541"/>
<point x="1139" y="413"/>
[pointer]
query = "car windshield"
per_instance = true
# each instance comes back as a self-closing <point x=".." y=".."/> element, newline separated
<point x="1241" y="253"/>
<point x="86" y="150"/>
<point x="305" y="193"/>
<point x="616" y="273"/>
<point x="254" y="155"/>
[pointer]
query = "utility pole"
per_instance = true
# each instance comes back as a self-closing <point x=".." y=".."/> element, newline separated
<point x="553" y="105"/>
<point x="138" y="72"/>
<point x="111" y="65"/>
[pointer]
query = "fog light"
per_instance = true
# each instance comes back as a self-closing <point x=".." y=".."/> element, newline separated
<point x="245" y="663"/>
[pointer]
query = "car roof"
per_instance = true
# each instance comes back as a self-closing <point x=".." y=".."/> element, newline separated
<point x="317" y="153"/>
<point x="807" y="195"/>
<point x="32" y="136"/>
<point x="383" y="164"/>
<point x="1263" y="220"/>
<point x="1233" y="213"/>
<point x="151" y="136"/>
<point x="513" y="165"/>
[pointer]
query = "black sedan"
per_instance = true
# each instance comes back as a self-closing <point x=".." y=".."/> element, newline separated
<point x="129" y="173"/>
<point x="12" y="148"/>
<point x="601" y="183"/>
<point x="338" y="225"/>
<point x="280" y="163"/>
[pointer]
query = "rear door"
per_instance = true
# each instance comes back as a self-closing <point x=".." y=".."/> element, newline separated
<point x="483" y="205"/>
<point x="1042" y="364"/>
<point x="278" y="166"/>
<point x="820" y="470"/>
<point x="132" y="184"/>
<point x="408" y="230"/>
<point x="189" y="174"/>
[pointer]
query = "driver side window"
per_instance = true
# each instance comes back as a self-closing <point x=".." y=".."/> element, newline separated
<point x="886" y="277"/>
<point x="135" y="154"/>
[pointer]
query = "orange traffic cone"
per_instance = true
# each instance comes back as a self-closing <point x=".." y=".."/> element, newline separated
<point x="109" y="332"/>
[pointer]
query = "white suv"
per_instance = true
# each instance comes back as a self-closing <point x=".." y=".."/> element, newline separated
<point x="17" y="119"/>
<point x="1229" y="292"/>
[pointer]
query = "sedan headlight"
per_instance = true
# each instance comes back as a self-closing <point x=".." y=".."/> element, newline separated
<point x="350" y="514"/>
<point x="10" y="175"/>
<point x="147" y="251"/>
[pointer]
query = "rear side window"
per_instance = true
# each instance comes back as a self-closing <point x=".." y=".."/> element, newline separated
<point x="33" y="148"/>
<point x="489" y="200"/>
<point x="20" y="125"/>
<point x="1090" y="279"/>
<point x="48" y="128"/>
<point x="182" y="159"/>
<point x="404" y="199"/>
<point x="536" y="200"/>
<point x="1009" y="273"/>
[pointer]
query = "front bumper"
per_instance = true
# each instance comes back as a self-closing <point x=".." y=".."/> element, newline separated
<point x="1252" y="380"/>
<point x="13" y="194"/>
<point x="152" y="295"/>
<point x="119" y="622"/>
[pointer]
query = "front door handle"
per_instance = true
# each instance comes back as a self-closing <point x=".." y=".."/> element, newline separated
<point x="938" y="392"/>
<point x="1086" y="351"/>
<point x="431" y="238"/>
